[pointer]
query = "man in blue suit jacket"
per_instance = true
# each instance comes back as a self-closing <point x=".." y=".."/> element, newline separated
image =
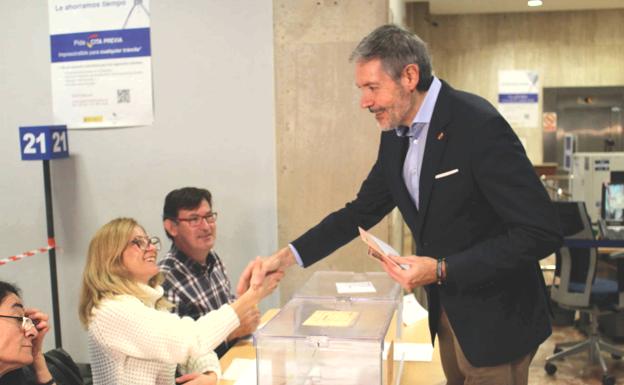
<point x="479" y="215"/>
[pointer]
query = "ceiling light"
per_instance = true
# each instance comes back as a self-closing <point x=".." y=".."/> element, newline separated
<point x="534" y="3"/>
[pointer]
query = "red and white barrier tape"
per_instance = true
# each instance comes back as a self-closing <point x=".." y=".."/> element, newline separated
<point x="15" y="258"/>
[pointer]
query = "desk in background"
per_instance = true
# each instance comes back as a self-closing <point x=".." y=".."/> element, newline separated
<point x="414" y="373"/>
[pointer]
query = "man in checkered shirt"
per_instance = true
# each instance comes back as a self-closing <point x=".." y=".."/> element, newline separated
<point x="195" y="279"/>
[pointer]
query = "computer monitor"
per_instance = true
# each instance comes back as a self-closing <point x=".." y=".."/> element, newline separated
<point x="616" y="177"/>
<point x="613" y="203"/>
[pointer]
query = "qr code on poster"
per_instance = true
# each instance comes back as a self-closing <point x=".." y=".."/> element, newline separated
<point x="123" y="96"/>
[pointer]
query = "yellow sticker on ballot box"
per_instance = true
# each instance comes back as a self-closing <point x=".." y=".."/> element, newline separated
<point x="331" y="318"/>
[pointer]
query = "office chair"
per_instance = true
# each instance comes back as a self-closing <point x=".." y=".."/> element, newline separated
<point x="580" y="290"/>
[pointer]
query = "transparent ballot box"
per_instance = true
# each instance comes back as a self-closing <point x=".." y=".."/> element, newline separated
<point x="369" y="286"/>
<point x="356" y="286"/>
<point x="323" y="342"/>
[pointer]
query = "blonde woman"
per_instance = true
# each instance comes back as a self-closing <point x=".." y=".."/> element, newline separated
<point x="133" y="339"/>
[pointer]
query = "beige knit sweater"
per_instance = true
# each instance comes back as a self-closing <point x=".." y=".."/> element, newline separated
<point x="133" y="343"/>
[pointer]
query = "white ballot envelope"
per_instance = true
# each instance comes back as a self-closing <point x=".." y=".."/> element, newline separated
<point x="380" y="249"/>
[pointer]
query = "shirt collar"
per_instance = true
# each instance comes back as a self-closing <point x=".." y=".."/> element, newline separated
<point x="423" y="116"/>
<point x="190" y="263"/>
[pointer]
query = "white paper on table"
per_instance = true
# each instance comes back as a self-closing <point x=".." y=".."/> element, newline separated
<point x="410" y="351"/>
<point x="247" y="379"/>
<point x="248" y="376"/>
<point x="239" y="368"/>
<point x="412" y="310"/>
<point x="355" y="287"/>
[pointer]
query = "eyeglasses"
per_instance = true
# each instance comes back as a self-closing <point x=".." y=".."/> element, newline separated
<point x="26" y="323"/>
<point x="196" y="220"/>
<point x="144" y="242"/>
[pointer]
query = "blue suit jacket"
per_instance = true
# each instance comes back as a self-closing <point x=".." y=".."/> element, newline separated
<point x="492" y="220"/>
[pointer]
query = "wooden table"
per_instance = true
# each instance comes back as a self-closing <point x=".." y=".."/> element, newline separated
<point x="414" y="373"/>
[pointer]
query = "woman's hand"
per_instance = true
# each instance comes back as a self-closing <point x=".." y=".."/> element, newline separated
<point x="263" y="284"/>
<point x="248" y="324"/>
<point x="39" y="366"/>
<point x="209" y="378"/>
<point x="40" y="320"/>
<point x="281" y="260"/>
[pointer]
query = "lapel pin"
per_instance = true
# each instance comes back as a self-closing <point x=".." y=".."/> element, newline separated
<point x="441" y="135"/>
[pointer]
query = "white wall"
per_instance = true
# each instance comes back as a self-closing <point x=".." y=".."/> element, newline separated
<point x="214" y="128"/>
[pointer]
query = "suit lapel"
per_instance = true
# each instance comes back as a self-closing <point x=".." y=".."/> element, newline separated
<point x="434" y="149"/>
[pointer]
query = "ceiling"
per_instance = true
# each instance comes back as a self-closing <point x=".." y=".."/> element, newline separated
<point x="506" y="6"/>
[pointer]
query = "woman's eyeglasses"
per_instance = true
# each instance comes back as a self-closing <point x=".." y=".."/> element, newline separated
<point x="25" y="323"/>
<point x="144" y="242"/>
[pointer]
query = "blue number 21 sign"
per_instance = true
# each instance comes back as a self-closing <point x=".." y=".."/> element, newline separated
<point x="44" y="142"/>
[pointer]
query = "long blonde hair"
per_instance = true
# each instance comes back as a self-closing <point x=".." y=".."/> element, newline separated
<point x="105" y="275"/>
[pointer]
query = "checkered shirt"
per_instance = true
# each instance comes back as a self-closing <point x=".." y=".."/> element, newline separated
<point x="193" y="288"/>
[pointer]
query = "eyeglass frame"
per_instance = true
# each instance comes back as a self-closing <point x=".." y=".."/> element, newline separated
<point x="208" y="218"/>
<point x="143" y="243"/>
<point x="27" y="323"/>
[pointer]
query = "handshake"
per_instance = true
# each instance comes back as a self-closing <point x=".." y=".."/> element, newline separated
<point x="258" y="280"/>
<point x="262" y="275"/>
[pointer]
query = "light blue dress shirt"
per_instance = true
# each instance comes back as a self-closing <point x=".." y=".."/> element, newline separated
<point x="417" y="134"/>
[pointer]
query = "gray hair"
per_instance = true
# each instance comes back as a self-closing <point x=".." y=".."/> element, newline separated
<point x="396" y="48"/>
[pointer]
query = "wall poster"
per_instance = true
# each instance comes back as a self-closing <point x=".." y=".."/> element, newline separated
<point x="101" y="63"/>
<point x="518" y="93"/>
